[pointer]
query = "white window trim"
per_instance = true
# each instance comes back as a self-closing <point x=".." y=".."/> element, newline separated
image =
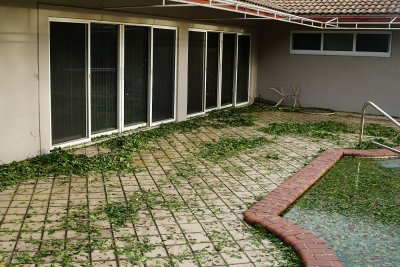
<point x="220" y="57"/>
<point x="341" y="53"/>
<point x="238" y="104"/>
<point x="151" y="122"/>
<point x="120" y="109"/>
<point x="204" y="92"/>
<point x="88" y="113"/>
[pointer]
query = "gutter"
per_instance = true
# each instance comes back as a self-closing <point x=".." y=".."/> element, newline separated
<point x="256" y="12"/>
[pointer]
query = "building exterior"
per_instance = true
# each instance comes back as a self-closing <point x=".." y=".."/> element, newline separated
<point x="74" y="70"/>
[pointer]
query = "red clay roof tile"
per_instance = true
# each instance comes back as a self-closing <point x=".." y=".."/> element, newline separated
<point x="332" y="7"/>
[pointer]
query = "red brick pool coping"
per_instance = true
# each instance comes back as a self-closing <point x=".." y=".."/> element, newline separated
<point x="313" y="251"/>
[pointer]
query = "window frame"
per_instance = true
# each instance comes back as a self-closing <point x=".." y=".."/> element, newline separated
<point x="236" y="103"/>
<point x="220" y="54"/>
<point x="204" y="110"/>
<point x="341" y="53"/>
<point x="120" y="87"/>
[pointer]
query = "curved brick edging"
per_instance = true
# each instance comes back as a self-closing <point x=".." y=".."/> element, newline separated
<point x="313" y="251"/>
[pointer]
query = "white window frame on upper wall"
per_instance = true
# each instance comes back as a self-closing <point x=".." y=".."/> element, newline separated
<point x="341" y="53"/>
<point x="220" y="57"/>
<point x="120" y="91"/>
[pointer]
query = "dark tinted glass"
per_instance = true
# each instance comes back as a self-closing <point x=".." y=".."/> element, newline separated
<point x="104" y="63"/>
<point x="338" y="42"/>
<point x="136" y="74"/>
<point x="243" y="69"/>
<point x="68" y="81"/>
<point x="306" y="41"/>
<point x="196" y="72"/>
<point x="163" y="74"/>
<point x="373" y="42"/>
<point x="212" y="69"/>
<point x="228" y="67"/>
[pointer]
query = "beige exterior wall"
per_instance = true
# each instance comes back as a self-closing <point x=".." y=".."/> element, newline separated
<point x="341" y="83"/>
<point x="19" y="99"/>
<point x="24" y="46"/>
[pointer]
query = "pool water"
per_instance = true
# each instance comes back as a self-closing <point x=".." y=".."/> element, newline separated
<point x="390" y="163"/>
<point x="355" y="208"/>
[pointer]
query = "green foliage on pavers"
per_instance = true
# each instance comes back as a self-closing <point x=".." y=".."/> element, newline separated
<point x="354" y="208"/>
<point x="387" y="136"/>
<point x="182" y="171"/>
<point x="378" y="130"/>
<point x="324" y="129"/>
<point x="119" y="213"/>
<point x="63" y="162"/>
<point x="89" y="224"/>
<point x="229" y="147"/>
<point x="289" y="255"/>
<point x="332" y="130"/>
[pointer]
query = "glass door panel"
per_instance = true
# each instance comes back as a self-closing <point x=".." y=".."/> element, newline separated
<point x="195" y="103"/>
<point x="212" y="70"/>
<point x="228" y="68"/>
<point x="68" y="53"/>
<point x="163" y="91"/>
<point x="136" y="75"/>
<point x="104" y="77"/>
<point x="242" y="93"/>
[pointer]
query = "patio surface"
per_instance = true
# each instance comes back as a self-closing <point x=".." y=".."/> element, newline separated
<point x="192" y="213"/>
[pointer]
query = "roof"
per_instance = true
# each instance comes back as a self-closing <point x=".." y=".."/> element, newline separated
<point x="332" y="7"/>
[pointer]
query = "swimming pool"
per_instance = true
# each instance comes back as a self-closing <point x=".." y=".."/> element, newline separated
<point x="355" y="209"/>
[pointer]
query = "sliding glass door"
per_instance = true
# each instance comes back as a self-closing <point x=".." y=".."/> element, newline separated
<point x="89" y="94"/>
<point x="212" y="83"/>
<point x="136" y="66"/>
<point x="243" y="69"/>
<point x="163" y="90"/>
<point x="195" y="103"/>
<point x="228" y="68"/>
<point x="104" y="77"/>
<point x="68" y="53"/>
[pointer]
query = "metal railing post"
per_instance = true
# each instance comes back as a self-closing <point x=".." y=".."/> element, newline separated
<point x="369" y="103"/>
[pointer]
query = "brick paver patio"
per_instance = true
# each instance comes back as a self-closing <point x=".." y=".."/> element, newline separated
<point x="192" y="213"/>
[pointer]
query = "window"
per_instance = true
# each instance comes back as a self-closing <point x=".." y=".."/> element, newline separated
<point x="68" y="69"/>
<point x="341" y="43"/>
<point x="104" y="77"/>
<point x="136" y="68"/>
<point x="196" y="72"/>
<point x="338" y="42"/>
<point x="163" y="75"/>
<point x="107" y="78"/>
<point x="373" y="43"/>
<point x="218" y="70"/>
<point x="243" y="71"/>
<point x="212" y="83"/>
<point x="228" y="68"/>
<point x="306" y="41"/>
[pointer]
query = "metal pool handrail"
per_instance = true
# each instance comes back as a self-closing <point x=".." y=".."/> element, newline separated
<point x="369" y="103"/>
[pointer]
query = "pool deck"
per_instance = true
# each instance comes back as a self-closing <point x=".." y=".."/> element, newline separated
<point x="207" y="229"/>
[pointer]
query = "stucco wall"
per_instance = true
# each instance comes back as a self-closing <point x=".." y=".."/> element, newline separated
<point x="341" y="83"/>
<point x="25" y="70"/>
<point x="19" y="108"/>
